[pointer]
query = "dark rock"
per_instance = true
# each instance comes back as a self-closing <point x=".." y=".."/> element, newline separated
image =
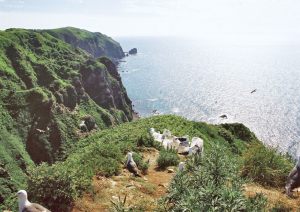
<point x="97" y="81"/>
<point x="133" y="51"/>
<point x="70" y="97"/>
<point x="83" y="127"/>
<point x="90" y="123"/>
<point x="111" y="67"/>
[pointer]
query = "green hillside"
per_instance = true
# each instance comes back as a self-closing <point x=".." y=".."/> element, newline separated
<point x="226" y="159"/>
<point x="65" y="117"/>
<point x="47" y="88"/>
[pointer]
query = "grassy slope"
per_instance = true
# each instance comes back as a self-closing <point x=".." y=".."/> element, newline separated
<point x="38" y="74"/>
<point x="103" y="152"/>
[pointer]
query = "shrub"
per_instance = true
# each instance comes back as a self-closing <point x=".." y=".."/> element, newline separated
<point x="227" y="135"/>
<point x="240" y="131"/>
<point x="167" y="158"/>
<point x="56" y="186"/>
<point x="147" y="141"/>
<point x="212" y="185"/>
<point x="265" y="165"/>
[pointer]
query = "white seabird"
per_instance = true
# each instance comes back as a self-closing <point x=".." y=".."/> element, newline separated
<point x="131" y="165"/>
<point x="196" y="146"/>
<point x="181" y="166"/>
<point x="156" y="135"/>
<point x="26" y="206"/>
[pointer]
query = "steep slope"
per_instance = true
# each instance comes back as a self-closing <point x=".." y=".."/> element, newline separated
<point x="47" y="88"/>
<point x="95" y="43"/>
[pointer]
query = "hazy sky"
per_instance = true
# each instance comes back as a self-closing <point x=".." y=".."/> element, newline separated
<point x="236" y="20"/>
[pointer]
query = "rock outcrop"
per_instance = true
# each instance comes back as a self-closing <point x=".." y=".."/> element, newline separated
<point x="133" y="51"/>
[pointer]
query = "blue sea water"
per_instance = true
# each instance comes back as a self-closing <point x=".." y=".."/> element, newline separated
<point x="202" y="81"/>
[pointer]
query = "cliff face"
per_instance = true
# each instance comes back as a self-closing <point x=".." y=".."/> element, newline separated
<point x="51" y="80"/>
<point x="94" y="43"/>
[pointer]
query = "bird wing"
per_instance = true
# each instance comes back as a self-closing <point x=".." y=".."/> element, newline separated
<point x="34" y="207"/>
<point x="132" y="167"/>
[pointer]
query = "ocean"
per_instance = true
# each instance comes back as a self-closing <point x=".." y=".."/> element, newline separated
<point x="257" y="85"/>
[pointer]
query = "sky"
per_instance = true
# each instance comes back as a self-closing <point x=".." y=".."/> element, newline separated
<point x="265" y="21"/>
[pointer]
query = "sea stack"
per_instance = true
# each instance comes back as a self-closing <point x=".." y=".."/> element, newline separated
<point x="133" y="51"/>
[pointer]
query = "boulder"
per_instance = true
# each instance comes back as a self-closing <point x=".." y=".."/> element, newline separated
<point x="83" y="127"/>
<point x="133" y="51"/>
<point x="90" y="123"/>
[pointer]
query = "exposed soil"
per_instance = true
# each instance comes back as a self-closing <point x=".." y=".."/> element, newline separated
<point x="141" y="193"/>
<point x="276" y="197"/>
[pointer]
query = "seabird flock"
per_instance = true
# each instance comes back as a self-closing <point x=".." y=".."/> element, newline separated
<point x="180" y="144"/>
<point x="183" y="146"/>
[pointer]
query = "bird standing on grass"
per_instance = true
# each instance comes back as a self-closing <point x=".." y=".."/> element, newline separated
<point x="131" y="165"/>
<point x="26" y="206"/>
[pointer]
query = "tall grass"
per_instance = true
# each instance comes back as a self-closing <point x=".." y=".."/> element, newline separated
<point x="265" y="165"/>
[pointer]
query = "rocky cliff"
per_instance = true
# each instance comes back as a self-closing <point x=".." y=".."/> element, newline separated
<point x="51" y="81"/>
<point x="94" y="43"/>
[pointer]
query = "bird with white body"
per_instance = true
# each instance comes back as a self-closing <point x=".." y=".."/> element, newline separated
<point x="156" y="135"/>
<point x="26" y="206"/>
<point x="196" y="146"/>
<point x="131" y="165"/>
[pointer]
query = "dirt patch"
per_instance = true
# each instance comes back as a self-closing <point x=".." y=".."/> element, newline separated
<point x="141" y="193"/>
<point x="276" y="197"/>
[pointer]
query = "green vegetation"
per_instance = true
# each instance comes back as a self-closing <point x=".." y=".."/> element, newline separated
<point x="211" y="184"/>
<point x="142" y="165"/>
<point x="45" y="93"/>
<point x="95" y="43"/>
<point x="167" y="158"/>
<point x="51" y="81"/>
<point x="266" y="166"/>
<point x="67" y="180"/>
<point x="101" y="154"/>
